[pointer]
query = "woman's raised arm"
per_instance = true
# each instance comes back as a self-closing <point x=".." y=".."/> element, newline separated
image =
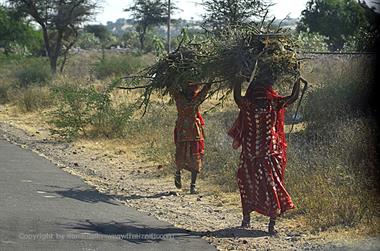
<point x="237" y="93"/>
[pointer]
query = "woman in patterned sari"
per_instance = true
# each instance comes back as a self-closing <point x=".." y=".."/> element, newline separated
<point x="259" y="129"/>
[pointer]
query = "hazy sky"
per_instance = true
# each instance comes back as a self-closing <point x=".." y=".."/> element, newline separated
<point x="113" y="9"/>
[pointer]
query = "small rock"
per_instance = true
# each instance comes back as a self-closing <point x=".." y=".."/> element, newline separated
<point x="159" y="167"/>
<point x="199" y="199"/>
<point x="75" y="164"/>
<point x="74" y="152"/>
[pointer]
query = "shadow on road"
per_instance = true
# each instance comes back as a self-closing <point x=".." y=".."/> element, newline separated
<point x="90" y="195"/>
<point x="116" y="228"/>
<point x="234" y="232"/>
<point x="130" y="231"/>
<point x="152" y="196"/>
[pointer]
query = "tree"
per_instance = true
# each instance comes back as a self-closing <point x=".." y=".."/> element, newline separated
<point x="14" y="30"/>
<point x="101" y="32"/>
<point x="224" y="13"/>
<point x="149" y="13"/>
<point x="335" y="19"/>
<point x="59" y="21"/>
<point x="368" y="38"/>
<point x="87" y="41"/>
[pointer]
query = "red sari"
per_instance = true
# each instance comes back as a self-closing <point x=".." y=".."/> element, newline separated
<point x="259" y="129"/>
<point x="189" y="134"/>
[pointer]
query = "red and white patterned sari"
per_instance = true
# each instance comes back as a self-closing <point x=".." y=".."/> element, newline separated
<point x="259" y="129"/>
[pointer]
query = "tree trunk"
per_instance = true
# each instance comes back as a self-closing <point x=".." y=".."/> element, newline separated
<point x="142" y="38"/>
<point x="53" y="62"/>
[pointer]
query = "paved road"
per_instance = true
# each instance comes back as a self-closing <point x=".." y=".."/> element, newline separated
<point x="45" y="208"/>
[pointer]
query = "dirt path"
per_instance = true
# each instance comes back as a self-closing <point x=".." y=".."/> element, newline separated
<point x="118" y="171"/>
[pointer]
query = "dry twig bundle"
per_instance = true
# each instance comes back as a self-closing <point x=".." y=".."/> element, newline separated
<point x="236" y="55"/>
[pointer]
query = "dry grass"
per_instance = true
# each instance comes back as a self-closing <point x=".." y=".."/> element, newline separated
<point x="332" y="173"/>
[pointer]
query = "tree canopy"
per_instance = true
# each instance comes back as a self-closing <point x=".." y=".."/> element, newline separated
<point x="148" y="13"/>
<point x="223" y="13"/>
<point x="100" y="31"/>
<point x="14" y="30"/>
<point x="335" y="19"/>
<point x="59" y="22"/>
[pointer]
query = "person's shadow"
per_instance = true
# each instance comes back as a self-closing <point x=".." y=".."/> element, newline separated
<point x="130" y="228"/>
<point x="233" y="232"/>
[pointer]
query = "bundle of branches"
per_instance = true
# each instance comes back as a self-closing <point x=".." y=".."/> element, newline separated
<point x="244" y="53"/>
<point x="186" y="65"/>
<point x="238" y="54"/>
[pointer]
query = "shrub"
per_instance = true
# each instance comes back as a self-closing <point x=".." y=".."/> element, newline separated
<point x="3" y="94"/>
<point x="33" y="72"/>
<point x="84" y="110"/>
<point x="309" y="42"/>
<point x="116" y="66"/>
<point x="31" y="99"/>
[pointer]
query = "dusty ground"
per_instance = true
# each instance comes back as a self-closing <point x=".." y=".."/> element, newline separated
<point x="114" y="167"/>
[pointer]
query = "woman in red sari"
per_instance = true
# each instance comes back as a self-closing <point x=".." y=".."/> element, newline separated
<point x="189" y="133"/>
<point x="259" y="129"/>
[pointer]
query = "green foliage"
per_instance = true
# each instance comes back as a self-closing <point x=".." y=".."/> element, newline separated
<point x="117" y="66"/>
<point x="99" y="31"/>
<point x="87" y="41"/>
<point x="89" y="112"/>
<point x="364" y="40"/>
<point x="310" y="42"/>
<point x="159" y="46"/>
<point x="131" y="39"/>
<point x="60" y="19"/>
<point x="32" y="72"/>
<point x="221" y="14"/>
<point x="335" y="19"/>
<point x="148" y="13"/>
<point x="16" y="35"/>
